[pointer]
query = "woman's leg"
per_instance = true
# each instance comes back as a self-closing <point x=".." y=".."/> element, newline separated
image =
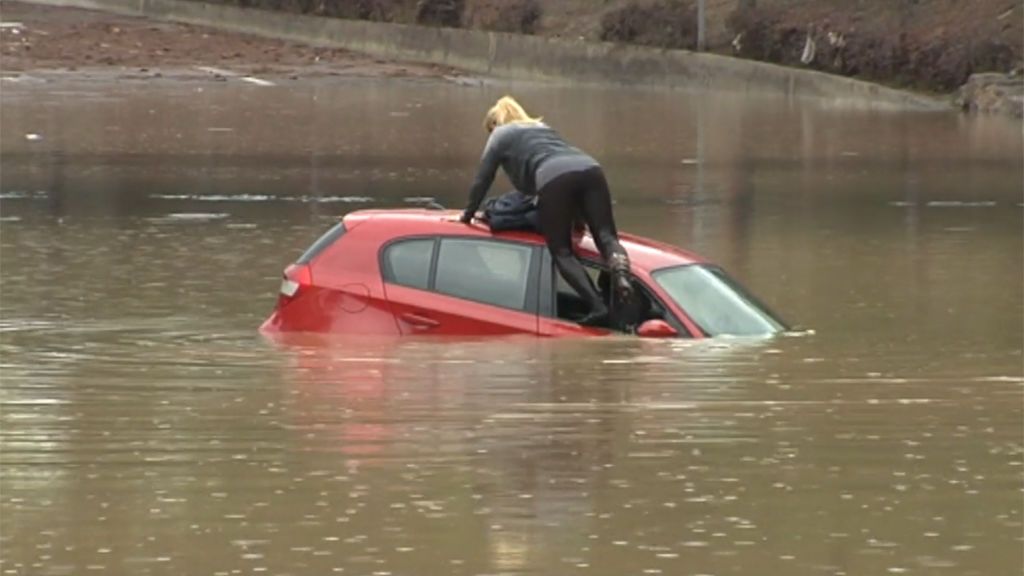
<point x="597" y="209"/>
<point x="558" y="207"/>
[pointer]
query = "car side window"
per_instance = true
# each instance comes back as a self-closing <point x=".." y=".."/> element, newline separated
<point x="484" y="271"/>
<point x="408" y="262"/>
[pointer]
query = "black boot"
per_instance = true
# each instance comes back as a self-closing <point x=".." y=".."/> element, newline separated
<point x="621" y="286"/>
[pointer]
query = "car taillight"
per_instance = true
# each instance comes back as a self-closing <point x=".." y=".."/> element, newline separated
<point x="295" y="278"/>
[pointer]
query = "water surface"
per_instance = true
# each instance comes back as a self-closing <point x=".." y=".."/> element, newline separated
<point x="147" y="429"/>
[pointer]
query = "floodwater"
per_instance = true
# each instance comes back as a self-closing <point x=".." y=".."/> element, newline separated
<point x="146" y="428"/>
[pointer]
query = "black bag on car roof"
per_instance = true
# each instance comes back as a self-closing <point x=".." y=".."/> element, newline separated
<point x="512" y="210"/>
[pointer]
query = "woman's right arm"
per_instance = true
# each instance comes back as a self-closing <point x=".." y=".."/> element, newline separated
<point x="489" y="162"/>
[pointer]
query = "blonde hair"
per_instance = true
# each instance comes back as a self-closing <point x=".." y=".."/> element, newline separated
<point x="504" y="111"/>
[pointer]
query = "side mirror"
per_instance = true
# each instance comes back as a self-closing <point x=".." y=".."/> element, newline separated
<point x="656" y="329"/>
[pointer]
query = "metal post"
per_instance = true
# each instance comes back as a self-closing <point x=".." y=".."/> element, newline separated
<point x="700" y="25"/>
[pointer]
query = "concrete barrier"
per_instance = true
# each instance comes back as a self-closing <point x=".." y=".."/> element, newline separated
<point x="516" y="56"/>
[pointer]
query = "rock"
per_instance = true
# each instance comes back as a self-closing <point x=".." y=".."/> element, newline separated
<point x="993" y="93"/>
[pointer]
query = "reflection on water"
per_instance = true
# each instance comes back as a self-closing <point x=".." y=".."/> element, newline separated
<point x="146" y="429"/>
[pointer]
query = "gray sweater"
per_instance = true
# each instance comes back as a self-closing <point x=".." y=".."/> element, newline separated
<point x="521" y="149"/>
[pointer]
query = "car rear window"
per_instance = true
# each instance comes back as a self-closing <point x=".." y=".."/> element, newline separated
<point x="329" y="237"/>
<point x="408" y="262"/>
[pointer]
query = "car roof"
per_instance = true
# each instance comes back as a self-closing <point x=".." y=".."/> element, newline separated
<point x="394" y="223"/>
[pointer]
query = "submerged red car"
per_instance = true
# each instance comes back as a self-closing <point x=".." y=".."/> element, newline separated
<point x="401" y="272"/>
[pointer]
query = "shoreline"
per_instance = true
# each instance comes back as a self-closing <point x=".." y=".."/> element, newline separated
<point x="467" y="55"/>
<point x="40" y="43"/>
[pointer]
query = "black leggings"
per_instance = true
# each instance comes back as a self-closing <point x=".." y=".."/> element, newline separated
<point x="561" y="201"/>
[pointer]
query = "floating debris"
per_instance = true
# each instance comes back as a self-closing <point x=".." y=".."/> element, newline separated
<point x="262" y="198"/>
<point x="191" y="217"/>
<point x="18" y="195"/>
<point x="961" y="204"/>
<point x="946" y="204"/>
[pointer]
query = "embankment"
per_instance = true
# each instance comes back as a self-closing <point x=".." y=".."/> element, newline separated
<point x="526" y="57"/>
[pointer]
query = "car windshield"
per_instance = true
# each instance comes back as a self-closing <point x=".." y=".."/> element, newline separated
<point x="715" y="302"/>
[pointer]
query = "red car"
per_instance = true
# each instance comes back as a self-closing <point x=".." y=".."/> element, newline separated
<point x="400" y="272"/>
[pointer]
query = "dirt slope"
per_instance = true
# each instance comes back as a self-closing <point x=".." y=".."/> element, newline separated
<point x="926" y="44"/>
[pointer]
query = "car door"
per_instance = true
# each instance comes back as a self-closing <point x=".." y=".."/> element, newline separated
<point x="463" y="286"/>
<point x="548" y="323"/>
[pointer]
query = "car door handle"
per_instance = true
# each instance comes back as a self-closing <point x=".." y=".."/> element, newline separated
<point x="419" y="321"/>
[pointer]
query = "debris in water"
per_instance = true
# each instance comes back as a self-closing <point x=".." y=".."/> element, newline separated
<point x="961" y="204"/>
<point x="191" y="217"/>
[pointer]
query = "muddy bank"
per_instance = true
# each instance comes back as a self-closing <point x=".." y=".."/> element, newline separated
<point x="45" y="39"/>
<point x="527" y="57"/>
<point x="926" y="45"/>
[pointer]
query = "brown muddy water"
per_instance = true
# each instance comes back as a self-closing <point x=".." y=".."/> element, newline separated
<point x="146" y="428"/>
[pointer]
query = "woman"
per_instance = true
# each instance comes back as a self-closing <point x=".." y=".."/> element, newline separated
<point x="568" y="182"/>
